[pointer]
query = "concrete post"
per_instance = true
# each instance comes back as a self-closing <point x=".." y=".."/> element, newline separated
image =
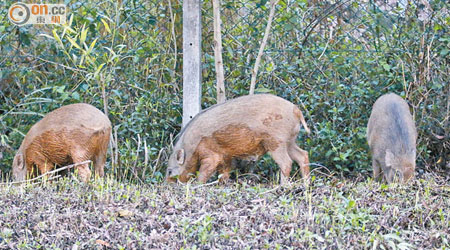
<point x="192" y="71"/>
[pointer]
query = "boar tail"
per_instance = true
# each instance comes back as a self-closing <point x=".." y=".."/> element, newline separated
<point x="299" y="114"/>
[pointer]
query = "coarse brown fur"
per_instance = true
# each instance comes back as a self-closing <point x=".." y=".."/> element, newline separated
<point x="391" y="135"/>
<point x="245" y="128"/>
<point x="70" y="134"/>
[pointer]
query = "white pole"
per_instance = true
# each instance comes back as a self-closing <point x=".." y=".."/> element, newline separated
<point x="192" y="72"/>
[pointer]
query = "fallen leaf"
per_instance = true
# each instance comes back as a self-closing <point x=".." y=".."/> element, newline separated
<point x="125" y="213"/>
<point x="439" y="137"/>
<point x="102" y="242"/>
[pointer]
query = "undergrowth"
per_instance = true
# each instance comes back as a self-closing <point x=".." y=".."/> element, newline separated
<point x="330" y="213"/>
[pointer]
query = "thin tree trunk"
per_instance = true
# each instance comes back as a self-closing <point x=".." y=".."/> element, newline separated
<point x="220" y="84"/>
<point x="174" y="37"/>
<point x="273" y="4"/>
<point x="105" y="99"/>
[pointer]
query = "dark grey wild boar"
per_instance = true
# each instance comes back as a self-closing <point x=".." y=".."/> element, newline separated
<point x="246" y="127"/>
<point x="70" y="134"/>
<point x="392" y="136"/>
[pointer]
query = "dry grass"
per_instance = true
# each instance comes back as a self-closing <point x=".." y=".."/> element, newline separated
<point x="330" y="213"/>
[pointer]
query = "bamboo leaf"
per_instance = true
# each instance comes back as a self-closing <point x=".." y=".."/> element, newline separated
<point x="83" y="34"/>
<point x="73" y="43"/>
<point x="56" y="36"/>
<point x="98" y="70"/>
<point x="106" y="25"/>
<point x="91" y="47"/>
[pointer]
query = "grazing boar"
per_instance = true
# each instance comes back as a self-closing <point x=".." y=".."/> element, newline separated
<point x="70" y="134"/>
<point x="243" y="128"/>
<point x="392" y="136"/>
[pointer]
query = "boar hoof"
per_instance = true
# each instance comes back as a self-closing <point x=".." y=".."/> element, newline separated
<point x="224" y="178"/>
<point x="284" y="180"/>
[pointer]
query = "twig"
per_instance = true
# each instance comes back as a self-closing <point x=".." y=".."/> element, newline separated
<point x="273" y="4"/>
<point x="220" y="85"/>
<point x="172" y="17"/>
<point x="47" y="173"/>
<point x="327" y="12"/>
<point x="158" y="158"/>
<point x="116" y="144"/>
<point x="271" y="190"/>
<point x="105" y="99"/>
<point x="206" y="184"/>
<point x="55" y="63"/>
<point x="137" y="158"/>
<point x="326" y="45"/>
<point x="250" y="174"/>
<point x="48" y="179"/>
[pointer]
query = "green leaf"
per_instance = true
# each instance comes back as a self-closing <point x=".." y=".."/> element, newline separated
<point x="351" y="204"/>
<point x="98" y="69"/>
<point x="56" y="36"/>
<point x="91" y="47"/>
<point x="76" y="96"/>
<point x="73" y="43"/>
<point x="263" y="90"/>
<point x="83" y="34"/>
<point x="106" y="25"/>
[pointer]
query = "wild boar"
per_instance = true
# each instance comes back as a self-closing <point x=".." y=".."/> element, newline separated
<point x="67" y="135"/>
<point x="392" y="136"/>
<point x="246" y="127"/>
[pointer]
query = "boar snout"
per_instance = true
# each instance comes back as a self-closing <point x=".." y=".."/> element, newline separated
<point x="84" y="172"/>
<point x="170" y="177"/>
<point x="174" y="175"/>
<point x="408" y="174"/>
<point x="395" y="175"/>
<point x="18" y="168"/>
<point x="401" y="166"/>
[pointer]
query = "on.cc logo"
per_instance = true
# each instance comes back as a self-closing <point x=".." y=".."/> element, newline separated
<point x="19" y="13"/>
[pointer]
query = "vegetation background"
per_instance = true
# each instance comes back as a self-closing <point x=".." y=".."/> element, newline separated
<point x="332" y="58"/>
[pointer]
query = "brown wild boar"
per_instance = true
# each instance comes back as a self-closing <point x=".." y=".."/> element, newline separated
<point x="246" y="127"/>
<point x="67" y="135"/>
<point x="392" y="136"/>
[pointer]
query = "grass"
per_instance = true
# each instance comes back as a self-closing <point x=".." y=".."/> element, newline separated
<point x="329" y="214"/>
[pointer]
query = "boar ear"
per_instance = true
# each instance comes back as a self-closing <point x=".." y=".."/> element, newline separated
<point x="389" y="158"/>
<point x="180" y="156"/>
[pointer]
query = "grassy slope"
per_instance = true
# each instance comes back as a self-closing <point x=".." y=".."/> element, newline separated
<point x="337" y="214"/>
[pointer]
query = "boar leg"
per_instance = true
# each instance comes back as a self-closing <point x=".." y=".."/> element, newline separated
<point x="208" y="167"/>
<point x="44" y="166"/>
<point x="83" y="170"/>
<point x="224" y="171"/>
<point x="284" y="161"/>
<point x="99" y="164"/>
<point x="301" y="157"/>
<point x="377" y="174"/>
